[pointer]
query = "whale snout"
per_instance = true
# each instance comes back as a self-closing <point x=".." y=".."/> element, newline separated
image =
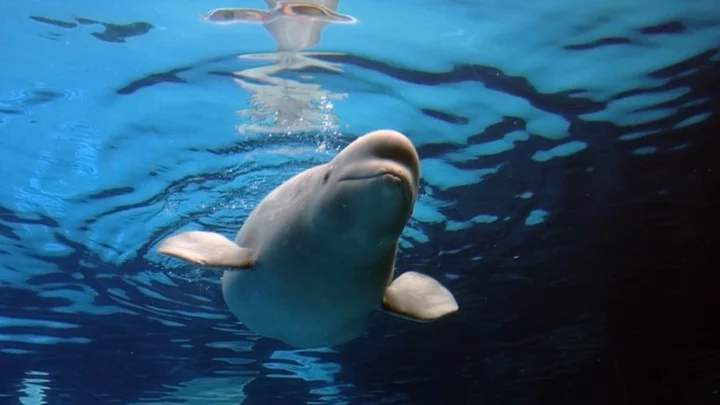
<point x="370" y="186"/>
<point x="383" y="163"/>
<point x="379" y="152"/>
<point x="395" y="147"/>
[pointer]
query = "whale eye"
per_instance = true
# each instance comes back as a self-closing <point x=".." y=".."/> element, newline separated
<point x="326" y="176"/>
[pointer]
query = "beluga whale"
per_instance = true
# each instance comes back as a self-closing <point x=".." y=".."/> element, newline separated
<point x="315" y="259"/>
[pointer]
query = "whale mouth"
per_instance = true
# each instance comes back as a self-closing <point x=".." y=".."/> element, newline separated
<point x="392" y="178"/>
<point x="392" y="175"/>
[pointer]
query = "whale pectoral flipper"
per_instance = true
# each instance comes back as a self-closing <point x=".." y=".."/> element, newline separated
<point x="418" y="297"/>
<point x="208" y="249"/>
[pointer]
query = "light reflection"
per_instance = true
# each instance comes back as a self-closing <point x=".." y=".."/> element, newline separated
<point x="33" y="388"/>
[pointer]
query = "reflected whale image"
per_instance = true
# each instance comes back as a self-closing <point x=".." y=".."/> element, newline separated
<point x="294" y="25"/>
<point x="281" y="103"/>
<point x="316" y="257"/>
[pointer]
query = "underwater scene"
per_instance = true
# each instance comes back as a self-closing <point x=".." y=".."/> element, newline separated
<point x="359" y="202"/>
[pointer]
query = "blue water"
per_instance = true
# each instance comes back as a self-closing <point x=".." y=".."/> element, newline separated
<point x="124" y="122"/>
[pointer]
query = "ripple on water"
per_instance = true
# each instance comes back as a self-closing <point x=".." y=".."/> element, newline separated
<point x="22" y="102"/>
<point x="6" y="322"/>
<point x="37" y="339"/>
